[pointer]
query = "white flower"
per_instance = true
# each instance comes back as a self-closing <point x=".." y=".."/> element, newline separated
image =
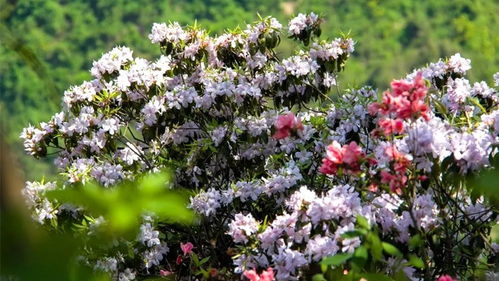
<point x="459" y="64"/>
<point x="130" y="154"/>
<point x="457" y="92"/>
<point x="241" y="227"/>
<point x="425" y="212"/>
<point x="150" y="109"/>
<point x="287" y="262"/>
<point x="110" y="125"/>
<point x="218" y="134"/>
<point x="300" y="22"/>
<point x="111" y="62"/>
<point x="301" y="199"/>
<point x="246" y="190"/>
<point x="471" y="150"/>
<point x="300" y="66"/>
<point x="496" y="79"/>
<point x="297" y="24"/>
<point x="320" y="247"/>
<point x="127" y="275"/>
<point x="108" y="174"/>
<point x="107" y="264"/>
<point x="483" y="90"/>
<point x="155" y="255"/>
<point x="171" y="33"/>
<point x="148" y="236"/>
<point x="206" y="202"/>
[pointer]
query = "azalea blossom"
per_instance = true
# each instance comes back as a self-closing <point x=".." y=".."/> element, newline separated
<point x="286" y="124"/>
<point x="266" y="275"/>
<point x="186" y="248"/>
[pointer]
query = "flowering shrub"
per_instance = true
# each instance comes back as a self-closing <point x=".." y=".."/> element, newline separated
<point x="288" y="173"/>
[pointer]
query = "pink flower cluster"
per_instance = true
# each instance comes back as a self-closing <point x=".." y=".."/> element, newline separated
<point x="396" y="178"/>
<point x="286" y="125"/>
<point x="404" y="102"/>
<point x="186" y="250"/>
<point x="347" y="158"/>
<point x="266" y="275"/>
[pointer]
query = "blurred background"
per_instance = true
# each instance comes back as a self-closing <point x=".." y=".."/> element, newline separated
<point x="46" y="46"/>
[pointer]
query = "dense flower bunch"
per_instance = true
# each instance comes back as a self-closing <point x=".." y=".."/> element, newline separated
<point x="280" y="168"/>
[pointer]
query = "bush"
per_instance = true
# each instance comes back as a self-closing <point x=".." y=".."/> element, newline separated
<point x="285" y="170"/>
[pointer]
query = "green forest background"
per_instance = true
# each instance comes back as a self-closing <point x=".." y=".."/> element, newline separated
<point x="46" y="46"/>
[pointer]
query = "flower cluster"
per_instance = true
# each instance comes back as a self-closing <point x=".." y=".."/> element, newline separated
<point x="347" y="158"/>
<point x="404" y="102"/>
<point x="280" y="167"/>
<point x="302" y="26"/>
<point x="266" y="275"/>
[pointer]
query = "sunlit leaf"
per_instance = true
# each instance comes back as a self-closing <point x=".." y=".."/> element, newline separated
<point x="336" y="259"/>
<point x="392" y="250"/>
<point x="416" y="261"/>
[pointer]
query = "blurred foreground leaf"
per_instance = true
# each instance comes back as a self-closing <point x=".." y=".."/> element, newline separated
<point x="30" y="253"/>
<point x="123" y="205"/>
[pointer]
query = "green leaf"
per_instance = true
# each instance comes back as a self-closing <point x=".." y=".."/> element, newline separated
<point x="362" y="222"/>
<point x="318" y="277"/>
<point x="485" y="183"/>
<point x="195" y="259"/>
<point x="360" y="257"/>
<point x="440" y="107"/>
<point x="361" y="252"/>
<point x="392" y="250"/>
<point x="494" y="233"/>
<point x="416" y="261"/>
<point x="376" y="247"/>
<point x="203" y="261"/>
<point x="353" y="233"/>
<point x="334" y="274"/>
<point x="476" y="102"/>
<point x="336" y="259"/>
<point x="415" y="242"/>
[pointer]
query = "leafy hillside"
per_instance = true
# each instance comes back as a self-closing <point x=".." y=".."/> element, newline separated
<point x="46" y="46"/>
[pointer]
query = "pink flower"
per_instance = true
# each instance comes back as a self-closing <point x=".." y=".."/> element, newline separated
<point x="251" y="275"/>
<point x="391" y="126"/>
<point x="179" y="259"/>
<point x="334" y="153"/>
<point x="266" y="275"/>
<point x="328" y="167"/>
<point x="286" y="124"/>
<point x="349" y="157"/>
<point x="446" y="278"/>
<point x="352" y="154"/>
<point x="213" y="272"/>
<point x="186" y="248"/>
<point x="395" y="182"/>
<point x="165" y="272"/>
